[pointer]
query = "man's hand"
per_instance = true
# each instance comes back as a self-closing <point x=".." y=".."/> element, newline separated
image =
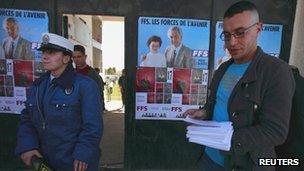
<point x="27" y="156"/>
<point x="80" y="166"/>
<point x="195" y="113"/>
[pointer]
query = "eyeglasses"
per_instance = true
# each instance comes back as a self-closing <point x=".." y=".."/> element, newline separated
<point x="226" y="36"/>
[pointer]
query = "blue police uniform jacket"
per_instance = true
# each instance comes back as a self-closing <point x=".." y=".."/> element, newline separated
<point x="63" y="120"/>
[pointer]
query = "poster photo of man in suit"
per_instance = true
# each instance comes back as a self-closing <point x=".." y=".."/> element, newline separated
<point x="184" y="42"/>
<point x="177" y="54"/>
<point x="14" y="46"/>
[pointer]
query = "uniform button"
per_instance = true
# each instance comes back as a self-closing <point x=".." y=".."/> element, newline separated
<point x="247" y="95"/>
<point x="238" y="145"/>
<point x="255" y="107"/>
<point x="234" y="114"/>
<point x="246" y="85"/>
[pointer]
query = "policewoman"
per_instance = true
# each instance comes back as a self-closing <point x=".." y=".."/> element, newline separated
<point x="62" y="119"/>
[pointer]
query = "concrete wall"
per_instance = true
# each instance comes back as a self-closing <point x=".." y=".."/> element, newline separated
<point x="73" y="37"/>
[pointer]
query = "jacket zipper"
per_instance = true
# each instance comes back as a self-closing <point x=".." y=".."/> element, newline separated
<point x="42" y="117"/>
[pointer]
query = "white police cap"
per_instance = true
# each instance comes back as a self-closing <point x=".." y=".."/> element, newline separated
<point x="54" y="41"/>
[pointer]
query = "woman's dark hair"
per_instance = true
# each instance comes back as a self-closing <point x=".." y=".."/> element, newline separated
<point x="154" y="39"/>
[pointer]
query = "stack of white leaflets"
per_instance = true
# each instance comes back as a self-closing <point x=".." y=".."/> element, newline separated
<point x="210" y="133"/>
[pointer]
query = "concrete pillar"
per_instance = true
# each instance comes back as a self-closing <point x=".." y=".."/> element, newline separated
<point x="297" y="44"/>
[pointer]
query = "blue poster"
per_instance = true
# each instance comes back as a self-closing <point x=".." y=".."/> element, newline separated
<point x="172" y="71"/>
<point x="269" y="40"/>
<point x="194" y="43"/>
<point x="20" y="62"/>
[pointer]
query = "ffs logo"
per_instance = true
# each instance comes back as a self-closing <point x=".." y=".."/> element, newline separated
<point x="142" y="108"/>
<point x="176" y="109"/>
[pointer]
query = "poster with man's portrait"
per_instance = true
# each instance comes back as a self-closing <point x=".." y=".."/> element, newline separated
<point x="20" y="34"/>
<point x="175" y="52"/>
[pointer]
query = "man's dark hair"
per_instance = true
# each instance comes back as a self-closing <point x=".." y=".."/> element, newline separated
<point x="9" y="20"/>
<point x="79" y="48"/>
<point x="240" y="7"/>
<point x="97" y="70"/>
<point x="12" y="20"/>
<point x="154" y="39"/>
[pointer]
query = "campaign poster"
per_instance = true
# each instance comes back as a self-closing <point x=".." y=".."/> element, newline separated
<point x="269" y="40"/>
<point x="20" y="62"/>
<point x="172" y="67"/>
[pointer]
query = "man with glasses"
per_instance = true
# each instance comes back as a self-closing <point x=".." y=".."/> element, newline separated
<point x="252" y="90"/>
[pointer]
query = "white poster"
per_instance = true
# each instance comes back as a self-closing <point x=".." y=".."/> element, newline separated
<point x="172" y="71"/>
<point x="20" y="62"/>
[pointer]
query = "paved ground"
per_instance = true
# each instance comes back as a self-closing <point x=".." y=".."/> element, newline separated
<point x="112" y="144"/>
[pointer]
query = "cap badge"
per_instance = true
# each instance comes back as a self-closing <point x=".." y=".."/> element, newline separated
<point x="69" y="91"/>
<point x="45" y="39"/>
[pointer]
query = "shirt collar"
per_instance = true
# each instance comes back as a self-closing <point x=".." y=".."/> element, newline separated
<point x="65" y="80"/>
<point x="177" y="48"/>
<point x="15" y="40"/>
